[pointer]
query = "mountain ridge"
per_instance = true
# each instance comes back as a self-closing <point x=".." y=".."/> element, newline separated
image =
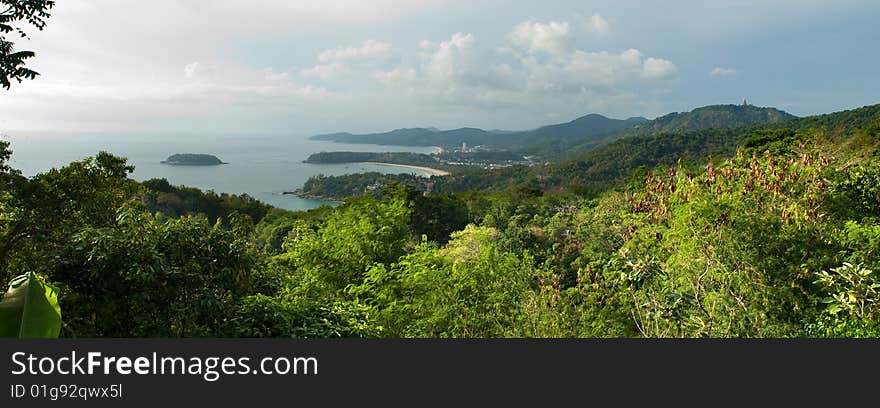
<point x="576" y="136"/>
<point x="580" y="130"/>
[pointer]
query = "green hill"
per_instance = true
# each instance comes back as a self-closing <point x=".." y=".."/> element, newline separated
<point x="577" y="136"/>
<point x="713" y="116"/>
<point x="594" y="170"/>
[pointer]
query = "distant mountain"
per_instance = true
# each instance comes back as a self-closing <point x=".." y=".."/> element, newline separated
<point x="575" y="137"/>
<point x="594" y="170"/>
<point x="592" y="124"/>
<point x="544" y="140"/>
<point x="707" y="117"/>
<point x="589" y="130"/>
<point x="713" y="117"/>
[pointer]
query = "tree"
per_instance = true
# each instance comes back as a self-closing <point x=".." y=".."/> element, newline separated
<point x="469" y="288"/>
<point x="39" y="215"/>
<point x="145" y="276"/>
<point x="33" y="12"/>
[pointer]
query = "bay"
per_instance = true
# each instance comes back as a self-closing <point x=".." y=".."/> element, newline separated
<point x="262" y="166"/>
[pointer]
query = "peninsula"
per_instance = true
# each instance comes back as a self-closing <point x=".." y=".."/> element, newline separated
<point x="415" y="161"/>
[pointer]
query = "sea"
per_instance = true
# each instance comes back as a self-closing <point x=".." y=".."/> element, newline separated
<point x="262" y="166"/>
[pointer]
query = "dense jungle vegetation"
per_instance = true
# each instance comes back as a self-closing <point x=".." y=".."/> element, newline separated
<point x="767" y="231"/>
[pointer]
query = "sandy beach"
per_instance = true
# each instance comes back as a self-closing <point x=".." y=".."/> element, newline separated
<point x="433" y="172"/>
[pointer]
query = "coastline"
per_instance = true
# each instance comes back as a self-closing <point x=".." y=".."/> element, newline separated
<point x="299" y="194"/>
<point x="432" y="171"/>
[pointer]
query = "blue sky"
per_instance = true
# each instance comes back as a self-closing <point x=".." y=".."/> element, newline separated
<point x="275" y="66"/>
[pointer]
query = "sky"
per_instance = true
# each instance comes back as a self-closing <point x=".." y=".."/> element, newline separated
<point x="308" y="67"/>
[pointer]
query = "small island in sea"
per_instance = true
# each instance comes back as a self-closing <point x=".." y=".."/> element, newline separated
<point x="190" y="159"/>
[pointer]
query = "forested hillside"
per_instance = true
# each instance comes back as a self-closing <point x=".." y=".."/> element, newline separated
<point x="613" y="163"/>
<point x="352" y="185"/>
<point x="580" y="135"/>
<point x="775" y="235"/>
<point x="712" y="117"/>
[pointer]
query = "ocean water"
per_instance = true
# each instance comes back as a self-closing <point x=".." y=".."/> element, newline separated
<point x="261" y="166"/>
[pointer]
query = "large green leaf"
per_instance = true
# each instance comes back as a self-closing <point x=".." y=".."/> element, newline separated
<point x="29" y="309"/>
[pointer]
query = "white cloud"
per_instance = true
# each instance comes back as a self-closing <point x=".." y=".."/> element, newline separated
<point x="596" y="72"/>
<point x="200" y="72"/>
<point x="456" y="73"/>
<point x="660" y="69"/>
<point x="189" y="93"/>
<point x="333" y="62"/>
<point x="719" y="71"/>
<point x="554" y="38"/>
<point x="210" y="89"/>
<point x="323" y="71"/>
<point x="100" y="59"/>
<point x="190" y="69"/>
<point x="272" y="76"/>
<point x="453" y="66"/>
<point x="543" y="64"/>
<point x="397" y="76"/>
<point x="97" y="53"/>
<point x="369" y="50"/>
<point x="453" y="59"/>
<point x="599" y="25"/>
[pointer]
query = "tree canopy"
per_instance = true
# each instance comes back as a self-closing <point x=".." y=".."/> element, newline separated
<point x="14" y="13"/>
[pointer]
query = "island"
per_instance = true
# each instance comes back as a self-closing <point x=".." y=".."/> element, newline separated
<point x="190" y="159"/>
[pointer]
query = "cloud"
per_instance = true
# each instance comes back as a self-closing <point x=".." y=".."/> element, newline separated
<point x="369" y="50"/>
<point x="539" y="62"/>
<point x="454" y="59"/>
<point x="455" y="72"/>
<point x="190" y="69"/>
<point x="598" y="25"/>
<point x="325" y="71"/>
<point x="200" y="72"/>
<point x="97" y="53"/>
<point x="596" y="72"/>
<point x="100" y="59"/>
<point x="272" y="76"/>
<point x="397" y="77"/>
<point x="659" y="69"/>
<point x="554" y="38"/>
<point x="719" y="71"/>
<point x="333" y="62"/>
<point x="209" y="89"/>
<point x="453" y="66"/>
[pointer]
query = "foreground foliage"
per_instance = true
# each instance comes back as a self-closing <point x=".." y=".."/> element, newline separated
<point x="779" y="237"/>
<point x="29" y="309"/>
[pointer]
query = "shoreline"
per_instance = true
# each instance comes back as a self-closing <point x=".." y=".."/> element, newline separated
<point x="298" y="194"/>
<point x="432" y="171"/>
